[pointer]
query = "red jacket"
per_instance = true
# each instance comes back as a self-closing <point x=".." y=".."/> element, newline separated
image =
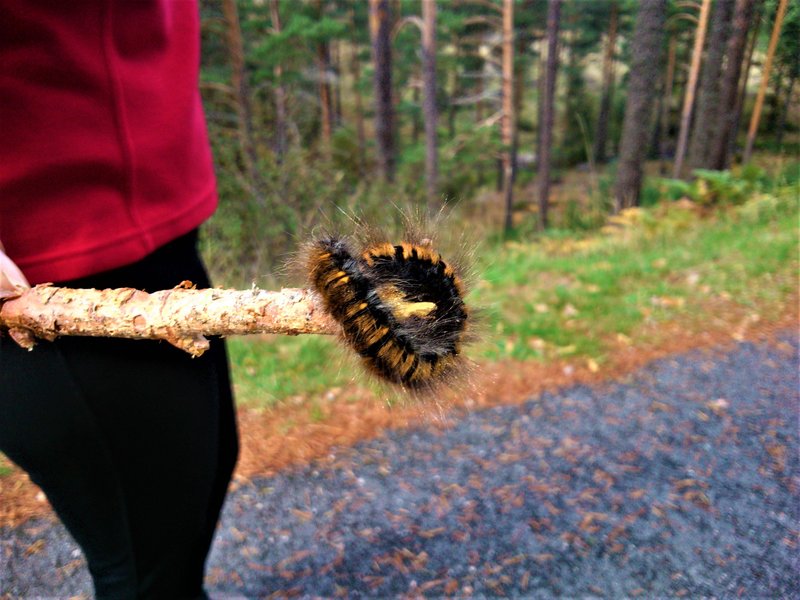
<point x="104" y="154"/>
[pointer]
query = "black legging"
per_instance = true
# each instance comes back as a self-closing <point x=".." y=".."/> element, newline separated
<point x="134" y="442"/>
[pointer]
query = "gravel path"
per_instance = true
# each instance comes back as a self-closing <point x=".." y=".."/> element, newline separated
<point x="682" y="480"/>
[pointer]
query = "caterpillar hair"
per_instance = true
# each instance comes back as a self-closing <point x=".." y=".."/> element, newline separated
<point x="401" y="307"/>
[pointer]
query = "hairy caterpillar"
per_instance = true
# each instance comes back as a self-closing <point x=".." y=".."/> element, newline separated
<point x="401" y="307"/>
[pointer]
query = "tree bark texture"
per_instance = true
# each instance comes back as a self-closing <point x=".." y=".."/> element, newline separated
<point x="240" y="88"/>
<point x="741" y="95"/>
<point x="280" y="92"/>
<point x="336" y="71"/>
<point x="507" y="122"/>
<point x="718" y="155"/>
<point x="666" y="101"/>
<point x="784" y="108"/>
<point x="355" y="71"/>
<point x="762" y="88"/>
<point x="429" y="109"/>
<point x="645" y="68"/>
<point x="601" y="132"/>
<point x="708" y="95"/>
<point x="691" y="87"/>
<point x="180" y="316"/>
<point x="547" y="110"/>
<point x="325" y="96"/>
<point x="380" y="31"/>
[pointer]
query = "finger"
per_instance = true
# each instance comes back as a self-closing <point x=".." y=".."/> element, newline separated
<point x="11" y="277"/>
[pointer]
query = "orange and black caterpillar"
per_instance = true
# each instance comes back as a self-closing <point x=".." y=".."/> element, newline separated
<point x="401" y="307"/>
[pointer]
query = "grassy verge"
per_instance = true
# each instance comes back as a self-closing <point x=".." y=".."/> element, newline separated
<point x="565" y="296"/>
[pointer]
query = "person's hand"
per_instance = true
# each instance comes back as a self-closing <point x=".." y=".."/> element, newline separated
<point x="12" y="281"/>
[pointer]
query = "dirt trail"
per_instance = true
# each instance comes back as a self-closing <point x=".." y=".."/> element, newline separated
<point x="680" y="480"/>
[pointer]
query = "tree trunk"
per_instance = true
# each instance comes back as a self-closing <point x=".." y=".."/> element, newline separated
<point x="507" y="122"/>
<point x="240" y="89"/>
<point x="666" y="102"/>
<point x="416" y="122"/>
<point x="708" y="96"/>
<point x="355" y="71"/>
<point x="784" y="112"/>
<point x="280" y="92"/>
<point x="547" y="111"/>
<point x="519" y="83"/>
<point x="762" y="89"/>
<point x="454" y="92"/>
<point x="645" y="67"/>
<point x="429" y="109"/>
<point x="691" y="85"/>
<point x="774" y="100"/>
<point x="726" y="115"/>
<point x="336" y="71"/>
<point x="380" y="31"/>
<point x="601" y="131"/>
<point x="741" y="95"/>
<point x="325" y="97"/>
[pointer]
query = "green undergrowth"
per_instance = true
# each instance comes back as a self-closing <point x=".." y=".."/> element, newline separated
<point x="565" y="295"/>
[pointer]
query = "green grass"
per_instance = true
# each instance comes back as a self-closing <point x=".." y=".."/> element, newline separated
<point x="271" y="368"/>
<point x="545" y="303"/>
<point x="565" y="296"/>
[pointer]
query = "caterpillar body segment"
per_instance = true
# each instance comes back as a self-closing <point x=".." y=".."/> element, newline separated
<point x="400" y="306"/>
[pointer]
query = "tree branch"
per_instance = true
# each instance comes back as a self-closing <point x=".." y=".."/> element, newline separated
<point x="409" y="20"/>
<point x="182" y="316"/>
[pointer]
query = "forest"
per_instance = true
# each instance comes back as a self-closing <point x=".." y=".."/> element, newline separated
<point x="621" y="179"/>
<point x="521" y="116"/>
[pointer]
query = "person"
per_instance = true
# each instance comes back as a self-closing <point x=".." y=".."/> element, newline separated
<point x="105" y="176"/>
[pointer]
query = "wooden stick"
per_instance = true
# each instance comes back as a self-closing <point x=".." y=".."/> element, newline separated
<point x="182" y="316"/>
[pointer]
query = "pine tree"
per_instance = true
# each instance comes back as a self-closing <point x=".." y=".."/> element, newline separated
<point x="718" y="156"/>
<point x="547" y="110"/>
<point x="708" y="96"/>
<point x="691" y="88"/>
<point x="380" y="31"/>
<point x="601" y="131"/>
<point x="430" y="110"/>
<point x="645" y="68"/>
<point x="762" y="89"/>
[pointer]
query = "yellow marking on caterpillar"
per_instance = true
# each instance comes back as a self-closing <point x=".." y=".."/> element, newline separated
<point x="426" y="253"/>
<point x="402" y="308"/>
<point x="406" y="364"/>
<point x="340" y="281"/>
<point x="391" y="354"/>
<point x="413" y="309"/>
<point x="355" y="309"/>
<point x="423" y="253"/>
<point x="331" y="277"/>
<point x="375" y="336"/>
<point x="381" y="250"/>
<point x="423" y="371"/>
<point x="365" y="322"/>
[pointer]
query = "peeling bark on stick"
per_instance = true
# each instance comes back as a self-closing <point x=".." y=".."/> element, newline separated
<point x="180" y="316"/>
